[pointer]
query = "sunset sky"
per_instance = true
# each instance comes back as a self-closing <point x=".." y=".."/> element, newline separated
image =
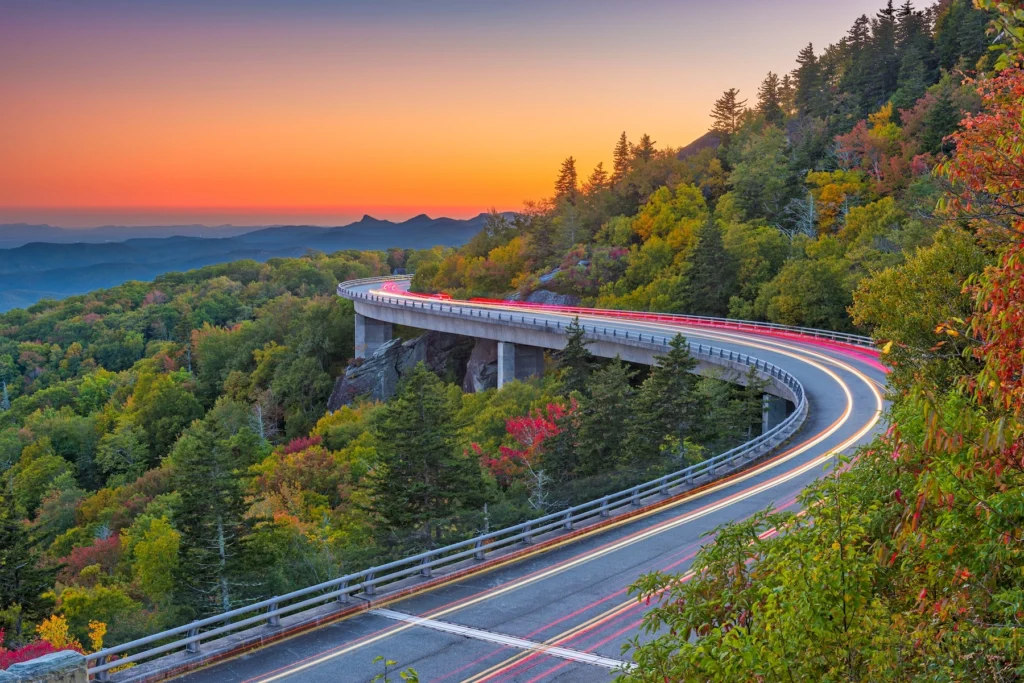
<point x="259" y="112"/>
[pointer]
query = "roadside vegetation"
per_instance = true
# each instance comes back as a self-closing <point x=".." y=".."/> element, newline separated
<point x="165" y="451"/>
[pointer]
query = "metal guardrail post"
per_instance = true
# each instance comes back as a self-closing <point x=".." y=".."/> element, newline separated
<point x="568" y="521"/>
<point x="102" y="676"/>
<point x="368" y="586"/>
<point x="479" y="554"/>
<point x="635" y="500"/>
<point x="604" y="508"/>
<point x="528" y="535"/>
<point x="425" y="569"/>
<point x="193" y="647"/>
<point x="344" y="596"/>
<point x="274" y="620"/>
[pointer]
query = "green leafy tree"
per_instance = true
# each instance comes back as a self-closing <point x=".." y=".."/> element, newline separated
<point x="123" y="454"/>
<point x="421" y="477"/>
<point x="156" y="560"/>
<point x="809" y="293"/>
<point x="24" y="583"/>
<point x="35" y="473"/>
<point x="165" y="411"/>
<point x="761" y="178"/>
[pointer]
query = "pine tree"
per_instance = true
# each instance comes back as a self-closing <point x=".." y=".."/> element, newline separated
<point x="941" y="120"/>
<point x="567" y="185"/>
<point x="604" y="418"/>
<point x="575" y="361"/>
<point x="620" y="158"/>
<point x="665" y="410"/>
<point x="597" y="181"/>
<point x="644" y="150"/>
<point x="769" y="103"/>
<point x="710" y="273"/>
<point x="23" y="582"/>
<point x="209" y="462"/>
<point x="787" y="91"/>
<point x="420" y="477"/>
<point x="807" y="98"/>
<point x="885" y="65"/>
<point x="727" y="112"/>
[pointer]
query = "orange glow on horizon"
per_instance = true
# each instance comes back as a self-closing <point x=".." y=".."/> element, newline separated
<point x="466" y="113"/>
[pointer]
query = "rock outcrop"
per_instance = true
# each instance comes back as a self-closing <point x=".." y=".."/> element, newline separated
<point x="547" y="297"/>
<point x="482" y="368"/>
<point x="378" y="376"/>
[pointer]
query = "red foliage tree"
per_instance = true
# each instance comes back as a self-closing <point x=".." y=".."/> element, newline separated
<point x="24" y="653"/>
<point x="104" y="552"/>
<point x="529" y="432"/>
<point x="987" y="171"/>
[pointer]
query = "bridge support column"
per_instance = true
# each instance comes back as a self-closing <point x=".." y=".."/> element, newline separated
<point x="518" y="361"/>
<point x="775" y="411"/>
<point x="370" y="335"/>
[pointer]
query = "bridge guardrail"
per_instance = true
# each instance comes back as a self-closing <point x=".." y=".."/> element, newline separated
<point x="189" y="637"/>
<point x="728" y="323"/>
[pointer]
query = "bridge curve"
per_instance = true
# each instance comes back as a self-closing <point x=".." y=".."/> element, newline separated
<point x="546" y="599"/>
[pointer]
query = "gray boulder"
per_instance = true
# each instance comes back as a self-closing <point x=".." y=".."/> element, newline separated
<point x="65" y="666"/>
<point x="482" y="368"/>
<point x="378" y="376"/>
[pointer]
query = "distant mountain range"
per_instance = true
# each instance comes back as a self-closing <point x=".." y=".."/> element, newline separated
<point x="52" y="265"/>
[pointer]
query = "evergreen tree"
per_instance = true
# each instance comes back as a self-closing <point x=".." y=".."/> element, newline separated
<point x="885" y="63"/>
<point x="23" y="582"/>
<point x="807" y="98"/>
<point x="420" y="477"/>
<point x="960" y="35"/>
<point x="769" y="103"/>
<point x="787" y="91"/>
<point x="941" y="120"/>
<point x="644" y="150"/>
<point x="604" y="418"/>
<point x="567" y="185"/>
<point x="209" y="461"/>
<point x="728" y="112"/>
<point x="575" y="361"/>
<point x="620" y="158"/>
<point x="665" y="410"/>
<point x="857" y="76"/>
<point x="597" y="181"/>
<point x="710" y="273"/>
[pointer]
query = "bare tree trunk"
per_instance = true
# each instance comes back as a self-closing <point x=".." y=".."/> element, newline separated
<point x="225" y="598"/>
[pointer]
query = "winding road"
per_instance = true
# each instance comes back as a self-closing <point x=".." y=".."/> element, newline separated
<point x="563" y="612"/>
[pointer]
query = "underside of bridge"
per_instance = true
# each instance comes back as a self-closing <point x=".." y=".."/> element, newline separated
<point x="520" y="361"/>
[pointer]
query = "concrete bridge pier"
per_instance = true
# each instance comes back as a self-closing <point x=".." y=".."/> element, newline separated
<point x="775" y="411"/>
<point x="518" y="361"/>
<point x="370" y="335"/>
